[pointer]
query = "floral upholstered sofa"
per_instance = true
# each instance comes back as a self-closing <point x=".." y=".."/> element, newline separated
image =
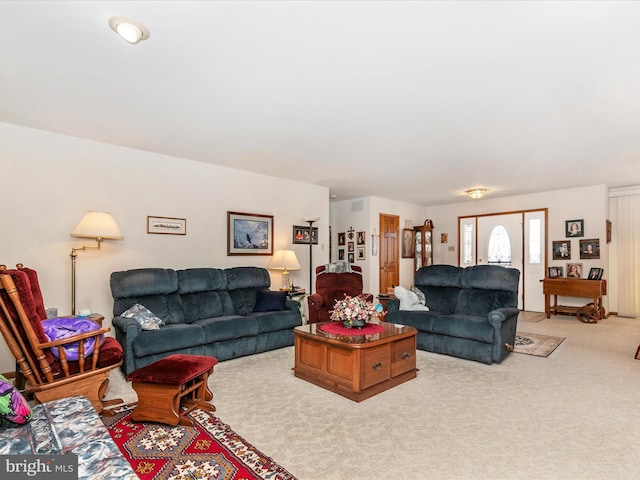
<point x="69" y="426"/>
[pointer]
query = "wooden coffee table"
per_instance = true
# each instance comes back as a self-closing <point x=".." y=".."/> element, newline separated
<point x="356" y="367"/>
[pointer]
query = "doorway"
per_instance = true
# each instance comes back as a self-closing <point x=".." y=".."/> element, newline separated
<point x="389" y="251"/>
<point x="511" y="239"/>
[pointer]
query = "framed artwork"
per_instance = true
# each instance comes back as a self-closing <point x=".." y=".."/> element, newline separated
<point x="608" y="231"/>
<point x="596" y="273"/>
<point x="574" y="228"/>
<point x="360" y="253"/>
<point x="555" y="272"/>
<point x="574" y="270"/>
<point x="590" y="248"/>
<point x="561" y="249"/>
<point x="362" y="238"/>
<point x="444" y="238"/>
<point x="249" y="234"/>
<point x="301" y="235"/>
<point x="167" y="225"/>
<point x="351" y="258"/>
<point x="341" y="238"/>
<point x="341" y="254"/>
<point x="408" y="242"/>
<point x="351" y="247"/>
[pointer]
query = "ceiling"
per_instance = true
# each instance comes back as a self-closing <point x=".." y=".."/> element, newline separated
<point x="411" y="101"/>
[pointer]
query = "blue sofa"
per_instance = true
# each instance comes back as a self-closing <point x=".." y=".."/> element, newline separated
<point x="207" y="311"/>
<point x="472" y="312"/>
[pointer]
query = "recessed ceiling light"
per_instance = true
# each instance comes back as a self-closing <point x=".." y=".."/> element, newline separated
<point x="131" y="30"/>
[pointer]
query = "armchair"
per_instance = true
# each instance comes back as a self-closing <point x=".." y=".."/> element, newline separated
<point x="49" y="375"/>
<point x="331" y="287"/>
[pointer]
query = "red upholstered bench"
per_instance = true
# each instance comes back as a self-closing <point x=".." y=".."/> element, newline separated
<point x="171" y="388"/>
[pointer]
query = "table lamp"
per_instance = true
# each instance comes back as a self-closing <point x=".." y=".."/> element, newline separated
<point x="284" y="260"/>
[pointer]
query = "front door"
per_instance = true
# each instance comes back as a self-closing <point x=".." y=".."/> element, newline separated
<point x="389" y="251"/>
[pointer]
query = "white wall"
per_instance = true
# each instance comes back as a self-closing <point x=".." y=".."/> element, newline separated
<point x="50" y="181"/>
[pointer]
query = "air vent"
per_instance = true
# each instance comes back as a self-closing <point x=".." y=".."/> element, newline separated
<point x="357" y="206"/>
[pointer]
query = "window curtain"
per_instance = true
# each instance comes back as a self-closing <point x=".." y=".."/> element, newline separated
<point x="626" y="211"/>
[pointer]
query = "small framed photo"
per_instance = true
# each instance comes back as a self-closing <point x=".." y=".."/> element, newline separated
<point x="351" y="247"/>
<point x="362" y="238"/>
<point x="555" y="272"/>
<point x="341" y="254"/>
<point x="167" y="225"/>
<point x="561" y="249"/>
<point x="574" y="228"/>
<point x="341" y="238"/>
<point x="609" y="227"/>
<point x="350" y="257"/>
<point x="360" y="253"/>
<point x="596" y="274"/>
<point x="301" y="235"/>
<point x="590" y="248"/>
<point x="249" y="234"/>
<point x="408" y="242"/>
<point x="574" y="270"/>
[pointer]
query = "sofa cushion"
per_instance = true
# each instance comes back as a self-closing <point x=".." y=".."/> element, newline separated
<point x="155" y="288"/>
<point x="206" y="305"/>
<point x="269" y="301"/>
<point x="193" y="280"/>
<point x="217" y="329"/>
<point x="463" y="326"/>
<point x="275" y="321"/>
<point x="420" y="320"/>
<point x="167" y="339"/>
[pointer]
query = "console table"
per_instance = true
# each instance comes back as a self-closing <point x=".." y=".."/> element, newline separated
<point x="574" y="287"/>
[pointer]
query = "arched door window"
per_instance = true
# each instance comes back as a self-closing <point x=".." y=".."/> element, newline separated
<point x="499" y="250"/>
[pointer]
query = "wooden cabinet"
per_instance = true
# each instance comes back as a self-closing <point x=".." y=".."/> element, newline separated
<point x="424" y="245"/>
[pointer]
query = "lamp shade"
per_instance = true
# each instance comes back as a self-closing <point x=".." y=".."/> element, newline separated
<point x="284" y="260"/>
<point x="97" y="225"/>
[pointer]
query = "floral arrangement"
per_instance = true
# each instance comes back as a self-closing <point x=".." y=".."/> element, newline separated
<point x="352" y="311"/>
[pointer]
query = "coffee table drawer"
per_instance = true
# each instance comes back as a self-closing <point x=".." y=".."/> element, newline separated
<point x="403" y="356"/>
<point x="376" y="366"/>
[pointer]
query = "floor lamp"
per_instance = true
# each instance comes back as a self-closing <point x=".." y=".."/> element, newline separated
<point x="310" y="221"/>
<point x="98" y="225"/>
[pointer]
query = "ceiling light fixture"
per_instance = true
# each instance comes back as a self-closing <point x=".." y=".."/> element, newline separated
<point x="476" y="193"/>
<point x="131" y="30"/>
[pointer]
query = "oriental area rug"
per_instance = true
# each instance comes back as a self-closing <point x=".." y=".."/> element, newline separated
<point x="210" y="450"/>
<point x="535" y="344"/>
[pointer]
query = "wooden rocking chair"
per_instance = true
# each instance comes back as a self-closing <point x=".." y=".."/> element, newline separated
<point x="47" y="377"/>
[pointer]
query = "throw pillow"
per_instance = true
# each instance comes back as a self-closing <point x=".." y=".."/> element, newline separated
<point x="269" y="301"/>
<point x="420" y="294"/>
<point x="144" y="316"/>
<point x="13" y="406"/>
<point x="408" y="299"/>
<point x="337" y="267"/>
<point x="64" y="327"/>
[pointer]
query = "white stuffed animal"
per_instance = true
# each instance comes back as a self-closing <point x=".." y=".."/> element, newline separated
<point x="408" y="299"/>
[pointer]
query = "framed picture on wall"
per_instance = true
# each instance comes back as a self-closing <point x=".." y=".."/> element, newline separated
<point x="341" y="254"/>
<point x="351" y="247"/>
<point x="574" y="228"/>
<point x="341" y="238"/>
<point x="249" y="234"/>
<point x="360" y="253"/>
<point x="408" y="242"/>
<point x="361" y="238"/>
<point x="351" y="257"/>
<point x="590" y="248"/>
<point x="561" y="249"/>
<point x="301" y="235"/>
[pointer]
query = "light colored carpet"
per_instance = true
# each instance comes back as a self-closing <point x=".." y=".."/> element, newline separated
<point x="535" y="344"/>
<point x="573" y="415"/>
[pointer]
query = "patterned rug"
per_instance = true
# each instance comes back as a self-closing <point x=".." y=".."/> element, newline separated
<point x="211" y="450"/>
<point x="534" y="344"/>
